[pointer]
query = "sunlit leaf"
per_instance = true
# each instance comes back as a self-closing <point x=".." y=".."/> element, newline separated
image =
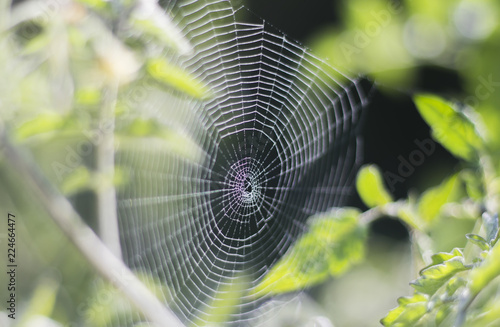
<point x="489" y="269"/>
<point x="431" y="202"/>
<point x="479" y="241"/>
<point x="410" y="310"/>
<point x="142" y="127"/>
<point x="449" y="126"/>
<point x="490" y="223"/>
<point x="473" y="184"/>
<point x="370" y="186"/>
<point x="43" y="123"/>
<point x="437" y="274"/>
<point x="334" y="243"/>
<point x="76" y="181"/>
<point x="441" y="257"/>
<point x="43" y="299"/>
<point x="88" y="96"/>
<point x="39" y="42"/>
<point x="95" y="4"/>
<point x="169" y="74"/>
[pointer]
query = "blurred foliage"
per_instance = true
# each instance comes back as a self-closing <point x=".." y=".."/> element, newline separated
<point x="64" y="63"/>
<point x="334" y="242"/>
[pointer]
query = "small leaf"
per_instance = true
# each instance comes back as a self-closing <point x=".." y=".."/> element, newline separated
<point x="431" y="202"/>
<point x="479" y="241"/>
<point x="150" y="19"/>
<point x="436" y="275"/>
<point x="43" y="123"/>
<point x="88" y="96"/>
<point x="333" y="244"/>
<point x="408" y="313"/>
<point x="76" y="181"/>
<point x="490" y="223"/>
<point x="489" y="269"/>
<point x="95" y="4"/>
<point x="141" y="127"/>
<point x="175" y="77"/>
<point x="450" y="127"/>
<point x="473" y="184"/>
<point x="370" y="186"/>
<point x="441" y="257"/>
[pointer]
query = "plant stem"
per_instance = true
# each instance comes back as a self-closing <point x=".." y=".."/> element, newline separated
<point x="93" y="249"/>
<point x="106" y="194"/>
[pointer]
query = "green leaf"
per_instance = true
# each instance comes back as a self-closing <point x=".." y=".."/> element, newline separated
<point x="431" y="202"/>
<point x="473" y="184"/>
<point x="140" y="132"/>
<point x="437" y="275"/>
<point x="143" y="127"/>
<point x="450" y="127"/>
<point x="76" y="181"/>
<point x="441" y="257"/>
<point x="88" y="96"/>
<point x="334" y="242"/>
<point x="490" y="223"/>
<point x="169" y="74"/>
<point x="488" y="270"/>
<point x="408" y="313"/>
<point x="479" y="241"/>
<point x="43" y="300"/>
<point x="43" y="123"/>
<point x="370" y="186"/>
<point x="95" y="4"/>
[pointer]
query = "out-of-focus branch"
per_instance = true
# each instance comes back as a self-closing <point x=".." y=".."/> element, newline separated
<point x="105" y="164"/>
<point x="93" y="249"/>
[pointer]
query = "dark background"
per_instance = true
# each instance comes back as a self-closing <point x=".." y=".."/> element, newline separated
<point x="391" y="122"/>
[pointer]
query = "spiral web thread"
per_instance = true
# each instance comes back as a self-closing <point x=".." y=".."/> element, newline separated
<point x="276" y="143"/>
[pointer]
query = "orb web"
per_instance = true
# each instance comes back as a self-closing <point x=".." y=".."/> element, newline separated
<point x="275" y="142"/>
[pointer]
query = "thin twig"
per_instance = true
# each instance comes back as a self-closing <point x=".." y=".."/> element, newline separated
<point x="390" y="209"/>
<point x="93" y="249"/>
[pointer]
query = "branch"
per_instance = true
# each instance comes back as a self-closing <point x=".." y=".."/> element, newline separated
<point x="106" y="194"/>
<point x="93" y="249"/>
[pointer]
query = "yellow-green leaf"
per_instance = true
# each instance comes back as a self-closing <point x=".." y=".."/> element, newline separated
<point x="174" y="76"/>
<point x="77" y="180"/>
<point x="431" y="202"/>
<point x="43" y="123"/>
<point x="371" y="187"/>
<point x="410" y="311"/>
<point x="487" y="271"/>
<point x="478" y="241"/>
<point x="334" y="242"/>
<point x="450" y="127"/>
<point x="437" y="275"/>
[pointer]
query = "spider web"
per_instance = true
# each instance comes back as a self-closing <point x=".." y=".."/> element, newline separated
<point x="275" y="142"/>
